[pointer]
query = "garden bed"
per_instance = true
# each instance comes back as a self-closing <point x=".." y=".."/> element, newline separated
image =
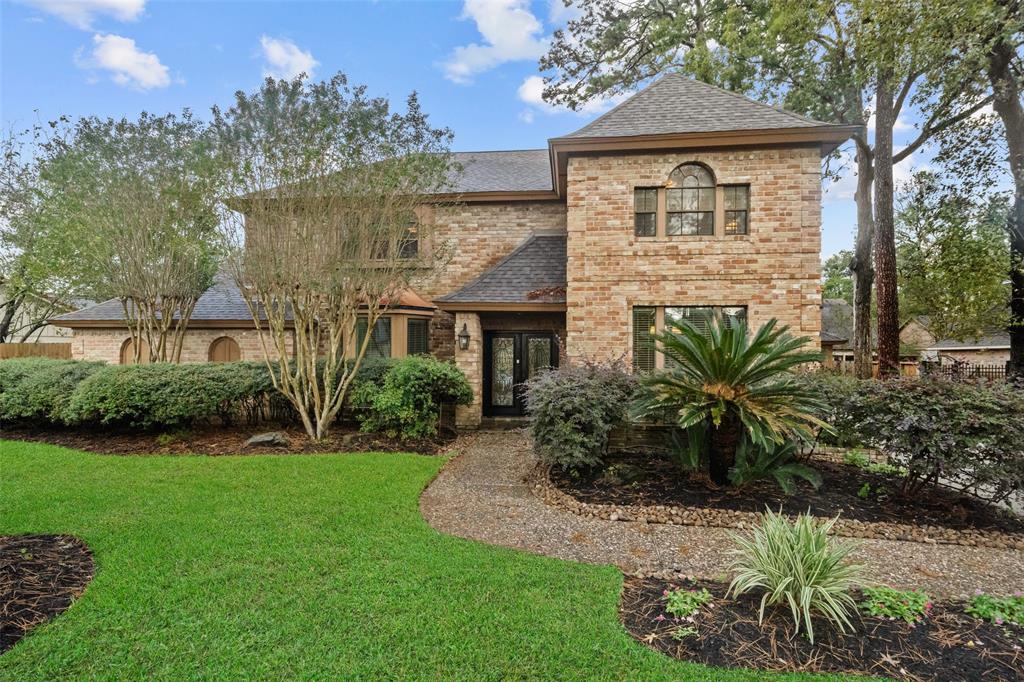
<point x="219" y="440"/>
<point x="40" y="576"/>
<point x="948" y="644"/>
<point x="654" y="489"/>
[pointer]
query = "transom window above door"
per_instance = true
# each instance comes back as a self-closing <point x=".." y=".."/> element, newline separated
<point x="691" y="203"/>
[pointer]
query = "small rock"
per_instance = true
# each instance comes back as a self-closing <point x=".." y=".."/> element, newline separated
<point x="273" y="438"/>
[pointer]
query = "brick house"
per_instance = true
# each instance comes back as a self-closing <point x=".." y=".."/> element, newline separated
<point x="681" y="200"/>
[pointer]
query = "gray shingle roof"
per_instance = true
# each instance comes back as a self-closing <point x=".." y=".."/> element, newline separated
<point x="533" y="273"/>
<point x="676" y="104"/>
<point x="523" y="170"/>
<point x="992" y="339"/>
<point x="836" y="321"/>
<point x="222" y="301"/>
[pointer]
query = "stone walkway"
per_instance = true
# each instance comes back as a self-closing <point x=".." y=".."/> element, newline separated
<point x="482" y="494"/>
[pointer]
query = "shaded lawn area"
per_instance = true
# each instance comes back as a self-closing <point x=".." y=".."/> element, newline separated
<point x="301" y="567"/>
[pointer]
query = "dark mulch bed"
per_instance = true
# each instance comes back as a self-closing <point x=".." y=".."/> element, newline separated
<point x="947" y="645"/>
<point x="40" y="575"/>
<point x="661" y="482"/>
<point x="220" y="440"/>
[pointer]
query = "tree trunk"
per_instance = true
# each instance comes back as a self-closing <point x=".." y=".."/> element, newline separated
<point x="885" y="233"/>
<point x="723" y="442"/>
<point x="1007" y="103"/>
<point x="861" y="267"/>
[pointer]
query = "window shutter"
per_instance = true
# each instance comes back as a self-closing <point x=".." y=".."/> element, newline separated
<point x="417" y="336"/>
<point x="643" y="341"/>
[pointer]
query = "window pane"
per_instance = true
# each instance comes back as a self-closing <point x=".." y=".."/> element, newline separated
<point x="735" y="222"/>
<point x="643" y="340"/>
<point x="690" y="199"/>
<point x="736" y="197"/>
<point x="674" y="200"/>
<point x="674" y="225"/>
<point x="380" y="340"/>
<point x="691" y="175"/>
<point x="409" y="247"/>
<point x="646" y="224"/>
<point x="706" y="201"/>
<point x="696" y="316"/>
<point x="705" y="223"/>
<point x="418" y="332"/>
<point x="735" y="316"/>
<point x="645" y="200"/>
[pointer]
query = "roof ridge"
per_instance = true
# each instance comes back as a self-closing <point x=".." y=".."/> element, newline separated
<point x="744" y="98"/>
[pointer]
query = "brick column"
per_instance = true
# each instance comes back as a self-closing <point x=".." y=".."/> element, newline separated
<point x="471" y="362"/>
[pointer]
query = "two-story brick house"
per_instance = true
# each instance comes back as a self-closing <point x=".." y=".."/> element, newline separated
<point x="683" y="199"/>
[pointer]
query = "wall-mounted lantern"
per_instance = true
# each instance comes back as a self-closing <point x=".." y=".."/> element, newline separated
<point x="464" y="338"/>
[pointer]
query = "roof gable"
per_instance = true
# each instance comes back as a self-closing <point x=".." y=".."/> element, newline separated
<point x="533" y="273"/>
<point x="674" y="104"/>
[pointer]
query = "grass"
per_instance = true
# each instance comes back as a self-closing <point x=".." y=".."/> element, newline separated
<point x="300" y="567"/>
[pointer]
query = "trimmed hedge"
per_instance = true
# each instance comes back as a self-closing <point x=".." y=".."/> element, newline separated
<point x="403" y="398"/>
<point x="38" y="391"/>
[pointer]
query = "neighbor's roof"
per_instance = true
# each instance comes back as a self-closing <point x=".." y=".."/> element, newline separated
<point x="221" y="302"/>
<point x="525" y="170"/>
<point x="995" y="338"/>
<point x="677" y="104"/>
<point x="836" y="320"/>
<point x="534" y="273"/>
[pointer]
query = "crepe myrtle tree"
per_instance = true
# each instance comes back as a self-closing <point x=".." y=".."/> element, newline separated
<point x="136" y="200"/>
<point x="328" y="192"/>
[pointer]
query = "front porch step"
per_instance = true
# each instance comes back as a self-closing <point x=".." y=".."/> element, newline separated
<point x="503" y="423"/>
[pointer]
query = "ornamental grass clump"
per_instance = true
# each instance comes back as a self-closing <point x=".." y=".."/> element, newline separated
<point x="796" y="563"/>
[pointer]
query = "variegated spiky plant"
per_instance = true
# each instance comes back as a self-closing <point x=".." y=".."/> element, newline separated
<point x="733" y="381"/>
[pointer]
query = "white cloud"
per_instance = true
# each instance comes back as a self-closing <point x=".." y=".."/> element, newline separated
<point x="510" y="32"/>
<point x="285" y="59"/>
<point x="82" y="13"/>
<point x="559" y="14"/>
<point x="127" y="64"/>
<point x="531" y="92"/>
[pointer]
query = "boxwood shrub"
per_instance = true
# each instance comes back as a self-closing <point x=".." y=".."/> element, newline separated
<point x="574" y="408"/>
<point x="403" y="398"/>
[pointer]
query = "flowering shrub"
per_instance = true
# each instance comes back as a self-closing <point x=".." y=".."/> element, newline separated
<point x="907" y="605"/>
<point x="573" y="409"/>
<point x="967" y="435"/>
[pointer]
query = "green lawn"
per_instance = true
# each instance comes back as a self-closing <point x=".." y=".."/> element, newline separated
<point x="300" y="567"/>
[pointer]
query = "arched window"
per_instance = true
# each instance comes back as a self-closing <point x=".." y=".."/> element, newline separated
<point x="225" y="349"/>
<point x="690" y="201"/>
<point x="128" y="352"/>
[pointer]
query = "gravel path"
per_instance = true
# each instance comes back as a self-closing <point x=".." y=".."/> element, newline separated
<point x="482" y="495"/>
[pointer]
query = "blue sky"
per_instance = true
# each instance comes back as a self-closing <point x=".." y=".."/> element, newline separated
<point x="473" y="63"/>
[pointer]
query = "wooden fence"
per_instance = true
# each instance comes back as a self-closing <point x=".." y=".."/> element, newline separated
<point x="60" y="351"/>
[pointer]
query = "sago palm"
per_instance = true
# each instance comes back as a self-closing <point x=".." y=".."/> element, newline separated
<point x="732" y="380"/>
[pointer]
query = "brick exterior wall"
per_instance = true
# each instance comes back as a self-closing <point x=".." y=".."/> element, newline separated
<point x="774" y="270"/>
<point x="475" y="236"/>
<point x="105" y="344"/>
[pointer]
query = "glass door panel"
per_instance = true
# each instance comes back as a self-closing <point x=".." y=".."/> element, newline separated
<point x="503" y="366"/>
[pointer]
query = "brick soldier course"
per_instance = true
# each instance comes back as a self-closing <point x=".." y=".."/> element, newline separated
<point x="543" y="249"/>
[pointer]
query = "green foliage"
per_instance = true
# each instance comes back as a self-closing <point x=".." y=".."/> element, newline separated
<point x="969" y="434"/>
<point x="997" y="610"/>
<point x="685" y="603"/>
<point x="43" y="390"/>
<point x="573" y="409"/>
<point x="775" y="461"/>
<point x="734" y="382"/>
<point x="797" y="564"/>
<point x="404" y="399"/>
<point x="169" y="396"/>
<point x="953" y="256"/>
<point x="689" y="447"/>
<point x="836" y="278"/>
<point x="885" y="602"/>
<point x="857" y="458"/>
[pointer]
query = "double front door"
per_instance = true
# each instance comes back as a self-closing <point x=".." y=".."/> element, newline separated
<point x="510" y="358"/>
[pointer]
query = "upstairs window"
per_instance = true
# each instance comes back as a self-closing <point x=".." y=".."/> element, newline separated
<point x="690" y="201"/>
<point x="409" y="244"/>
<point x="645" y="212"/>
<point x="737" y="205"/>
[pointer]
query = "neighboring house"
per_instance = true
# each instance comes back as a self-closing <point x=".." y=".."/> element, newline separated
<point x="991" y="348"/>
<point x="25" y="327"/>
<point x="682" y="200"/>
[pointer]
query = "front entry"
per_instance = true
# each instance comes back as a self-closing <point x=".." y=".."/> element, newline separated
<point x="510" y="358"/>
